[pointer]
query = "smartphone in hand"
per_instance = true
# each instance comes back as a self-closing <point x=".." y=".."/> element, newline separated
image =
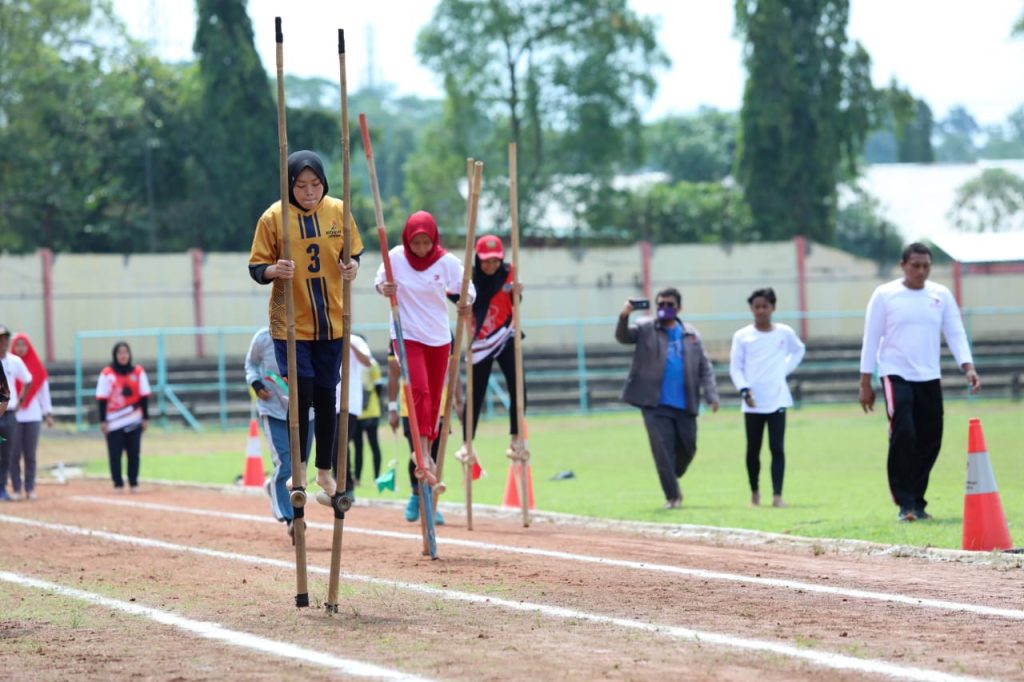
<point x="640" y="303"/>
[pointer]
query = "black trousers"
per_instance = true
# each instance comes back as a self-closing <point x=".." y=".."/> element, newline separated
<point x="368" y="427"/>
<point x="482" y="375"/>
<point x="673" y="436"/>
<point x="8" y="426"/>
<point x="128" y="441"/>
<point x="325" y="422"/>
<point x="915" y="437"/>
<point x="755" y="424"/>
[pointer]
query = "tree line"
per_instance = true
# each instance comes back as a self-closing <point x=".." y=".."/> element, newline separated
<point x="104" y="148"/>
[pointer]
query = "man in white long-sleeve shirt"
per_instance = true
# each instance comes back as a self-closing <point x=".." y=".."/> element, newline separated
<point x="902" y="330"/>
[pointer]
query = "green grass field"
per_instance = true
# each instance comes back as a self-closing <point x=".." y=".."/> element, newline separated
<point x="835" y="475"/>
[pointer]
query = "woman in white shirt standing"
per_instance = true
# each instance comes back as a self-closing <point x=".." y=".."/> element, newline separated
<point x="425" y="276"/>
<point x="122" y="394"/>
<point x="34" y="409"/>
<point x="763" y="354"/>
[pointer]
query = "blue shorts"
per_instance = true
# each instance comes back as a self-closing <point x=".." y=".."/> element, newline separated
<point x="316" y="360"/>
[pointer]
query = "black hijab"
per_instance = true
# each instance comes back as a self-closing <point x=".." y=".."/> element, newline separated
<point x="115" y="365"/>
<point x="299" y="161"/>
<point x="486" y="287"/>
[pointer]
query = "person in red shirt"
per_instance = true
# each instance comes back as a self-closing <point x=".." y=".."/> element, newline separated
<point x="122" y="394"/>
<point x="493" y="327"/>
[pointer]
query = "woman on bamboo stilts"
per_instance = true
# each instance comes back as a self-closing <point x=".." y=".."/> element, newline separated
<point x="316" y="236"/>
<point x="493" y="329"/>
<point x="425" y="276"/>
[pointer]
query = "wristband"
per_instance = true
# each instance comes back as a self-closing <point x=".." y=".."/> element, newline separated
<point x="744" y="392"/>
<point x="392" y="406"/>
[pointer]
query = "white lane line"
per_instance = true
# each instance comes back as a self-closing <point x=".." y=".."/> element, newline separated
<point x="218" y="632"/>
<point x="941" y="604"/>
<point x="822" y="658"/>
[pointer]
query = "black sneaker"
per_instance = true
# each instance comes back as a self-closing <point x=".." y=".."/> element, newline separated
<point x="907" y="515"/>
<point x="922" y="515"/>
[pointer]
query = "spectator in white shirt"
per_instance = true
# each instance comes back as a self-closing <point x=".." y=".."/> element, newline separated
<point x="16" y="374"/>
<point x="122" y="395"/>
<point x="34" y="408"/>
<point x="763" y="355"/>
<point x="904" y="321"/>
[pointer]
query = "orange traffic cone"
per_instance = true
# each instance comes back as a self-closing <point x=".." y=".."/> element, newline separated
<point x="512" y="487"/>
<point x="253" y="457"/>
<point x="985" y="526"/>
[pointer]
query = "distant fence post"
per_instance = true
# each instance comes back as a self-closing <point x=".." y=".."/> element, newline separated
<point x="958" y="284"/>
<point x="581" y="364"/>
<point x="161" y="377"/>
<point x="197" y="296"/>
<point x="645" y="262"/>
<point x="222" y="385"/>
<point x="79" y="384"/>
<point x="46" y="260"/>
<point x="801" y="277"/>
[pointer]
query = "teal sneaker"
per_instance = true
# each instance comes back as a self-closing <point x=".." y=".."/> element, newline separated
<point x="412" y="510"/>
<point x="438" y="519"/>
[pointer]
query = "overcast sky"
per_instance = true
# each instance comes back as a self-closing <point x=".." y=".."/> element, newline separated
<point x="947" y="51"/>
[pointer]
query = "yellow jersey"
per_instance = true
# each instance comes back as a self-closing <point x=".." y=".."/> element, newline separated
<point x="316" y="243"/>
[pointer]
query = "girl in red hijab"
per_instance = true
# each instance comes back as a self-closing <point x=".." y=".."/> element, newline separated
<point x="35" y="407"/>
<point x="426" y="276"/>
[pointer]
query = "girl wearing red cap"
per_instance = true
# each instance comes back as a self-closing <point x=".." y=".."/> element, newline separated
<point x="34" y="408"/>
<point x="425" y="277"/>
<point x="494" y="333"/>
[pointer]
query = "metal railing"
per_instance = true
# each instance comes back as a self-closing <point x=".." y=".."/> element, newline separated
<point x="168" y="392"/>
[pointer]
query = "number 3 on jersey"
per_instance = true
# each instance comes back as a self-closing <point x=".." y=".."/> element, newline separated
<point x="314" y="257"/>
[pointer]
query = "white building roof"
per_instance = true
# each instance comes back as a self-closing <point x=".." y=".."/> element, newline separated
<point x="989" y="247"/>
<point x="917" y="198"/>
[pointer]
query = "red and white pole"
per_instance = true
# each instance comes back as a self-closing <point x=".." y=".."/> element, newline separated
<point x="645" y="263"/>
<point x="197" y="296"/>
<point x="46" y="259"/>
<point x="958" y="284"/>
<point x="800" y="243"/>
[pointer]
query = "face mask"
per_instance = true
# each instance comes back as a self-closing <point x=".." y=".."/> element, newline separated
<point x="665" y="314"/>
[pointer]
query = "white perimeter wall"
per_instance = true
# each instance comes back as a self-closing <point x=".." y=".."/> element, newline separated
<point x="108" y="292"/>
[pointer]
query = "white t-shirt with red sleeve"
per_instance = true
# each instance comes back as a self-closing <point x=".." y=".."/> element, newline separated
<point x="123" y="393"/>
<point x="422" y="296"/>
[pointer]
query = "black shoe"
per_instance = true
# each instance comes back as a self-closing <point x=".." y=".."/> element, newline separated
<point x="922" y="515"/>
<point x="907" y="515"/>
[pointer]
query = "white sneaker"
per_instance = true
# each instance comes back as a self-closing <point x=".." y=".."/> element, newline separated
<point x="134" y="489"/>
<point x="15" y="495"/>
<point x="32" y="495"/>
<point x="266" y="486"/>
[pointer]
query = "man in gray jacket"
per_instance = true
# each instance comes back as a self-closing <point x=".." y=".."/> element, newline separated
<point x="669" y="370"/>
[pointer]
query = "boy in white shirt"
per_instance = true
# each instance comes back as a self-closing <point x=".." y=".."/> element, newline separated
<point x="763" y="354"/>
